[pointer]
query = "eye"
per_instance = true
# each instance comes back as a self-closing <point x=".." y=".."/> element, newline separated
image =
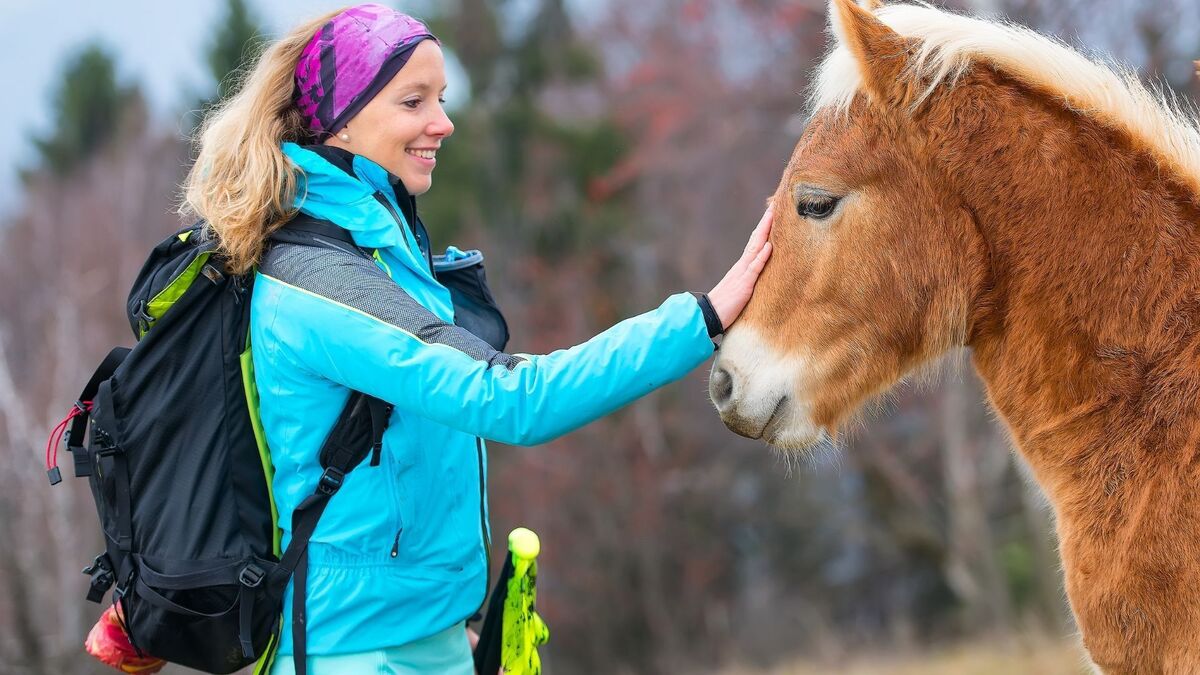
<point x="816" y="206"/>
<point x="412" y="104"/>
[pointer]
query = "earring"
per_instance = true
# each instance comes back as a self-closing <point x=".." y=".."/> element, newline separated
<point x="345" y="137"/>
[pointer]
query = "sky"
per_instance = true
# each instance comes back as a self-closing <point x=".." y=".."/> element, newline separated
<point x="159" y="44"/>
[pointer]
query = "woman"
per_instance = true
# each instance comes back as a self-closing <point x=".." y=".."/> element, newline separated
<point x="341" y="120"/>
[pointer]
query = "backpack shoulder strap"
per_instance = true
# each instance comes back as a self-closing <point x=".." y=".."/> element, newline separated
<point x="362" y="419"/>
<point x="341" y="450"/>
<point x="358" y="431"/>
<point x="305" y="230"/>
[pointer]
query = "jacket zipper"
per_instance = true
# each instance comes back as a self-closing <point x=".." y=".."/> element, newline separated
<point x="423" y="250"/>
<point x="487" y="540"/>
<point x="426" y="251"/>
<point x="394" y="493"/>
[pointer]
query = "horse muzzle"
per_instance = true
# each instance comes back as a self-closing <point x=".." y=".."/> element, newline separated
<point x="753" y="389"/>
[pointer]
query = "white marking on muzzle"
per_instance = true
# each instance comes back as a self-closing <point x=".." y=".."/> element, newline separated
<point x="768" y="390"/>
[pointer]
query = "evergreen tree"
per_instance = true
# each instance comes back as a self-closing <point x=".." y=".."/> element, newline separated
<point x="238" y="41"/>
<point x="89" y="106"/>
<point x="509" y="144"/>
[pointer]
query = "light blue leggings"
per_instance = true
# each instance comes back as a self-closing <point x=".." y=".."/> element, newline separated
<point x="446" y="653"/>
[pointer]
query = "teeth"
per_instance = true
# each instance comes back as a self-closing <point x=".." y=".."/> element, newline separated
<point x="425" y="154"/>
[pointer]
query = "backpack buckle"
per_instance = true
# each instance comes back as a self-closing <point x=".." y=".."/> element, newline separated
<point x="331" y="481"/>
<point x="251" y="576"/>
<point x="102" y="577"/>
<point x="100" y="562"/>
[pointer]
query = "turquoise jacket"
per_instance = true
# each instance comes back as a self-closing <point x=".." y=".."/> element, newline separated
<point x="401" y="552"/>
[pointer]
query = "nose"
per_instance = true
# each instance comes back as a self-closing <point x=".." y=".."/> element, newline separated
<point x="441" y="126"/>
<point x="720" y="388"/>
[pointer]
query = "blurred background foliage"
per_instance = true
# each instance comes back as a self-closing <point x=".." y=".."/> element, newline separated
<point x="608" y="153"/>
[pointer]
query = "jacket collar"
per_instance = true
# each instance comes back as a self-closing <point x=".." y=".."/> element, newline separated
<point x="341" y="187"/>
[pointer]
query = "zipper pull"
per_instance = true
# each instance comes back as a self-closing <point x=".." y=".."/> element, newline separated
<point x="235" y="287"/>
<point x="143" y="317"/>
<point x="396" y="543"/>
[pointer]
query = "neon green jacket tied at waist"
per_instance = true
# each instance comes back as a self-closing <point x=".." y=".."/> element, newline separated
<point x="400" y="554"/>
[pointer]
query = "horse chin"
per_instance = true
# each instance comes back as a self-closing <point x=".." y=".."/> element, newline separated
<point x="788" y="430"/>
<point x="794" y="438"/>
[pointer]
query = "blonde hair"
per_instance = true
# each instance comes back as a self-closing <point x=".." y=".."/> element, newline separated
<point x="241" y="182"/>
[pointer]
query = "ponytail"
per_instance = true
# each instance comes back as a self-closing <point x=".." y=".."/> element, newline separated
<point x="241" y="182"/>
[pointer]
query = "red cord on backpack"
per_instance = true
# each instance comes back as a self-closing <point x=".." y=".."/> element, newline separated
<point x="55" y="440"/>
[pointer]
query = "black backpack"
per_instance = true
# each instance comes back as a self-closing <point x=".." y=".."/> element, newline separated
<point x="180" y="470"/>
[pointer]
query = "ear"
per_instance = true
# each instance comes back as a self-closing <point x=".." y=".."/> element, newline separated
<point x="880" y="52"/>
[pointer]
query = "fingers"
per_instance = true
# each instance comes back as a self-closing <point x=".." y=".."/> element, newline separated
<point x="731" y="294"/>
<point x="755" y="267"/>
<point x="764" y="223"/>
<point x="758" y="239"/>
<point x="758" y="242"/>
<point x="761" y="231"/>
<point x="760" y="260"/>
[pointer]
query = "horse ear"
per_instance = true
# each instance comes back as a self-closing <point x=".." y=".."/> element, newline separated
<point x="880" y="52"/>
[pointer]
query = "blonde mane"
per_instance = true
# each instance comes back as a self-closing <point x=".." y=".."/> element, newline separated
<point x="948" y="44"/>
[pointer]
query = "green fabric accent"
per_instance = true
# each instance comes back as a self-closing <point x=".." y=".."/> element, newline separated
<point x="183" y="236"/>
<point x="171" y="293"/>
<point x="263" y="665"/>
<point x="379" y="259"/>
<point x="264" y="453"/>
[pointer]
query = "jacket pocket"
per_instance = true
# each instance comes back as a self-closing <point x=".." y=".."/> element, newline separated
<point x="392" y="462"/>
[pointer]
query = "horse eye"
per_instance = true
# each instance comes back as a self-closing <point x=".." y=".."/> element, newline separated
<point x="815" y="207"/>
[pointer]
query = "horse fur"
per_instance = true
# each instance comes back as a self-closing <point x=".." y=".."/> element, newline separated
<point x="1000" y="192"/>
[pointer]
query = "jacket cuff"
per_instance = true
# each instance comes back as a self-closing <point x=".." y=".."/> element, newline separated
<point x="711" y="320"/>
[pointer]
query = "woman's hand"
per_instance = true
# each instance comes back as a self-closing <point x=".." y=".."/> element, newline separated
<point x="731" y="294"/>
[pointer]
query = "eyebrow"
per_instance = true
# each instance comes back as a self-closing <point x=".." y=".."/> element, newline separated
<point x="421" y="85"/>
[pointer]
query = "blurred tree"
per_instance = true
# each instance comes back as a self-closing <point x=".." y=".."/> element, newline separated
<point x="522" y="157"/>
<point x="80" y="239"/>
<point x="238" y="41"/>
<point x="88" y="109"/>
<point x="103" y="183"/>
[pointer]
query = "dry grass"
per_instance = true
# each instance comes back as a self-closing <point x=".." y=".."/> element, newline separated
<point x="1027" y="657"/>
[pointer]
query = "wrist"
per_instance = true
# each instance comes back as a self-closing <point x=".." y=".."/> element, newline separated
<point x="712" y="320"/>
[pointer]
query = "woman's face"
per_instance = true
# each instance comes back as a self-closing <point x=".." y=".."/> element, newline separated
<point x="402" y="128"/>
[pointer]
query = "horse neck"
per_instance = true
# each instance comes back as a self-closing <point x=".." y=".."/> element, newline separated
<point x="1088" y="335"/>
<point x="1088" y="338"/>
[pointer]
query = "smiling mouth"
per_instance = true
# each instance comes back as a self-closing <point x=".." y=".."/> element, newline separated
<point x="423" y="154"/>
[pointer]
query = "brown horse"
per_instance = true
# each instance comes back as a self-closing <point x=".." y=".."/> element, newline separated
<point x="968" y="183"/>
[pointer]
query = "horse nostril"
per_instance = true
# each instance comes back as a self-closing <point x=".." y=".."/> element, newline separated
<point x="720" y="387"/>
